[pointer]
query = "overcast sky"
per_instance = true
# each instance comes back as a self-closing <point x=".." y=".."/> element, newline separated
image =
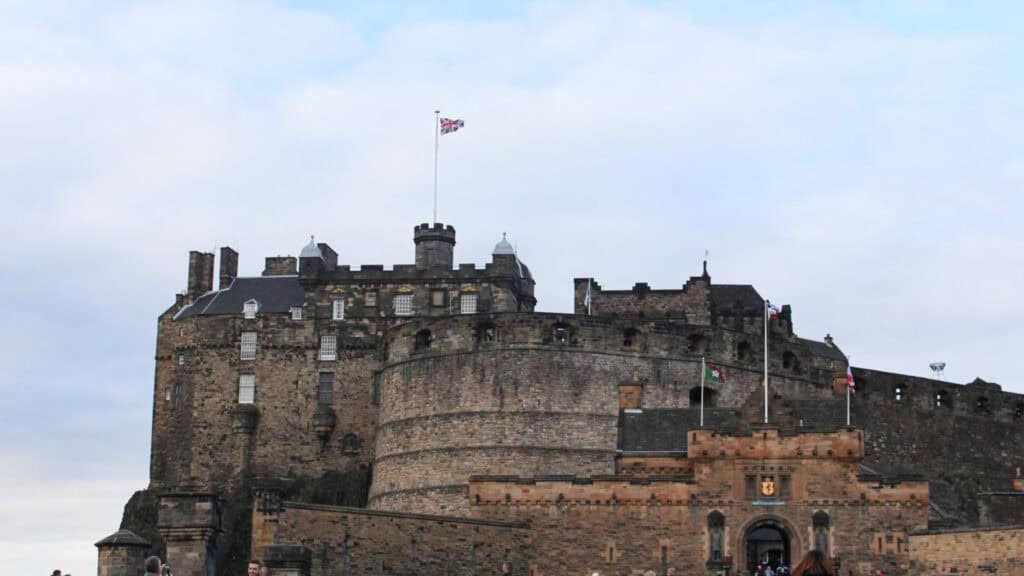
<point x="860" y="162"/>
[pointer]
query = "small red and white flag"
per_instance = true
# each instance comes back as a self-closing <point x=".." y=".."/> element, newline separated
<point x="849" y="380"/>
<point x="773" y="310"/>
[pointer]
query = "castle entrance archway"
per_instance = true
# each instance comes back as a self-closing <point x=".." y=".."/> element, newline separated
<point x="767" y="541"/>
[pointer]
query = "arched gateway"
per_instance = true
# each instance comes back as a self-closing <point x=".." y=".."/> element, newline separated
<point x="767" y="540"/>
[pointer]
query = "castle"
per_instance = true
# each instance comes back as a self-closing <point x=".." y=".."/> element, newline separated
<point x="424" y="419"/>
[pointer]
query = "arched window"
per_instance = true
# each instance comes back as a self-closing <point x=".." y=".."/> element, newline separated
<point x="560" y="333"/>
<point x="486" y="332"/>
<point x="821" y="522"/>
<point x="709" y="396"/>
<point x="790" y="361"/>
<point x="696" y="344"/>
<point x="716" y="527"/>
<point x="941" y="399"/>
<point x="982" y="404"/>
<point x="899" y="392"/>
<point x="422" y="341"/>
<point x="743" y="351"/>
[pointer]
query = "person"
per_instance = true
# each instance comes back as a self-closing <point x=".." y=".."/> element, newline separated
<point x="56" y="572"/>
<point x="506" y="567"/>
<point x="254" y="568"/>
<point x="671" y="571"/>
<point x="814" y="564"/>
<point x="768" y="570"/>
<point x="153" y="566"/>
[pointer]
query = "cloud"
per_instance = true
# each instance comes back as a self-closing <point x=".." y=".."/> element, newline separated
<point x="868" y="175"/>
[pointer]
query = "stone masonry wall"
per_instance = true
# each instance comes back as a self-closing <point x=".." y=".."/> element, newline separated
<point x="968" y="553"/>
<point x="961" y="447"/>
<point x="350" y="541"/>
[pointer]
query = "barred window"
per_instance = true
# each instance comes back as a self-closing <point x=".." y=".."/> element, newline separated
<point x="325" y="390"/>
<point x="328" y="347"/>
<point x="403" y="305"/>
<point x="338" y="310"/>
<point x="371" y="298"/>
<point x="249" y="309"/>
<point x="296" y="312"/>
<point x="248" y="350"/>
<point x="247" y="389"/>
<point x="467" y="303"/>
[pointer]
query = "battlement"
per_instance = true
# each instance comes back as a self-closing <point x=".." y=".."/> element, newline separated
<point x="979" y="399"/>
<point x="844" y="445"/>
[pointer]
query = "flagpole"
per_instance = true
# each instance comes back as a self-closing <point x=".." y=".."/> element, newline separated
<point x="437" y="128"/>
<point x="765" y="361"/>
<point x="702" y="369"/>
<point x="589" y="297"/>
<point x="848" y="394"/>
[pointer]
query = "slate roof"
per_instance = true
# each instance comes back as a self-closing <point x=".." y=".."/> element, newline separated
<point x="725" y="297"/>
<point x="664" y="430"/>
<point x="275" y="294"/>
<point x="819" y="348"/>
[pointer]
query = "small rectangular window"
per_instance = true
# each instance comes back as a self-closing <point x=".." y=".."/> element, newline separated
<point x="181" y="359"/>
<point x="247" y="389"/>
<point x="403" y="305"/>
<point x="248" y="347"/>
<point x="249" y="309"/>
<point x="296" y="312"/>
<point x="370" y="299"/>
<point x="325" y="390"/>
<point x="328" y="347"/>
<point x="467" y="304"/>
<point x="437" y="298"/>
<point x="338" y="310"/>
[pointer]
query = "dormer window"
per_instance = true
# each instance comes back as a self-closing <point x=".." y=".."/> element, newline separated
<point x="249" y="309"/>
<point x="296" y="312"/>
<point x="338" y="310"/>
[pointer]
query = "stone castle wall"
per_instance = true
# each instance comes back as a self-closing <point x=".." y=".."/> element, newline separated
<point x="352" y="541"/>
<point x="537" y="394"/>
<point x="968" y="444"/>
<point x="968" y="552"/>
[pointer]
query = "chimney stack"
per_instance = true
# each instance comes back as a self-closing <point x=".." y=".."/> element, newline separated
<point x="200" y="273"/>
<point x="228" y="266"/>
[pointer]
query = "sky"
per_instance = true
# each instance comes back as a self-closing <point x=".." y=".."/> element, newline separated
<point x="860" y="161"/>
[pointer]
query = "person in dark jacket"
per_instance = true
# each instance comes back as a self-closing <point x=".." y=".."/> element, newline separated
<point x="814" y="564"/>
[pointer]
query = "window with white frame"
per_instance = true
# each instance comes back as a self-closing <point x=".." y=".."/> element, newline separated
<point x="181" y="359"/>
<point x="248" y="347"/>
<point x="247" y="389"/>
<point x="328" y="347"/>
<point x="249" y="309"/>
<point x="296" y="312"/>
<point x="467" y="303"/>
<point x="403" y="305"/>
<point x="338" y="310"/>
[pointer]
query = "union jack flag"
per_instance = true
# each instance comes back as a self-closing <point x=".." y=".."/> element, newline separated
<point x="449" y="125"/>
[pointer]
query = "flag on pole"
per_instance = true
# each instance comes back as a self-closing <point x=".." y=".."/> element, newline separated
<point x="586" y="299"/>
<point x="849" y="379"/>
<point x="773" y="311"/>
<point x="713" y="373"/>
<point x="449" y="125"/>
